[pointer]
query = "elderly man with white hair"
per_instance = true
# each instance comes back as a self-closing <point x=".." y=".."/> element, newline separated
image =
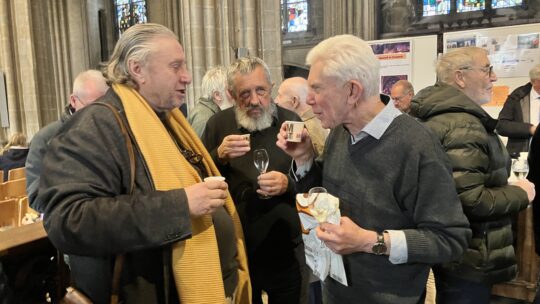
<point x="521" y="113"/>
<point x="292" y="96"/>
<point x="452" y="110"/>
<point x="214" y="99"/>
<point x="399" y="213"/>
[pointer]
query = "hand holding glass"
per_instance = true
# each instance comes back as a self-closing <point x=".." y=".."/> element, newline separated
<point x="261" y="160"/>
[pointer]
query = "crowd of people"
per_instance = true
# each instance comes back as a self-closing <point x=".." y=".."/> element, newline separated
<point x="422" y="181"/>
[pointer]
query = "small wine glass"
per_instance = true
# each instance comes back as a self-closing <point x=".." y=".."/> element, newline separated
<point x="520" y="168"/>
<point x="320" y="214"/>
<point x="261" y="160"/>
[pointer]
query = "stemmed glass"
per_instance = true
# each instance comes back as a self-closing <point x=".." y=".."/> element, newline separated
<point x="520" y="168"/>
<point x="320" y="214"/>
<point x="261" y="160"/>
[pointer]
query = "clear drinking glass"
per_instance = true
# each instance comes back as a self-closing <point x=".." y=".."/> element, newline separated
<point x="520" y="168"/>
<point x="261" y="160"/>
<point x="319" y="212"/>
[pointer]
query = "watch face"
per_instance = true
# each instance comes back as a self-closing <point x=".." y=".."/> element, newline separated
<point x="379" y="248"/>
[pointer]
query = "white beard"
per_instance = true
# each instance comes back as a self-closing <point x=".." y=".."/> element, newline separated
<point x="255" y="124"/>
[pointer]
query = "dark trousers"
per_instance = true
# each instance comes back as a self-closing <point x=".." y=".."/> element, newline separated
<point x="451" y="290"/>
<point x="315" y="293"/>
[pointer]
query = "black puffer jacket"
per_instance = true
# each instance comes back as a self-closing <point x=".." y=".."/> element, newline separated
<point x="480" y="168"/>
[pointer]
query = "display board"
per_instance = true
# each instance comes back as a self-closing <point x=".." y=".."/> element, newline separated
<point x="410" y="58"/>
<point x="513" y="50"/>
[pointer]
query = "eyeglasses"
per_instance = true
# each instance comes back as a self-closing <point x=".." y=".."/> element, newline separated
<point x="192" y="157"/>
<point x="486" y="70"/>
<point x="400" y="97"/>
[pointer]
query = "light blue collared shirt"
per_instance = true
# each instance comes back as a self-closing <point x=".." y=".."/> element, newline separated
<point x="376" y="128"/>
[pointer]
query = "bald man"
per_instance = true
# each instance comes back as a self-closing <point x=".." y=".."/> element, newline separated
<point x="292" y="95"/>
<point x="402" y="93"/>
<point x="88" y="86"/>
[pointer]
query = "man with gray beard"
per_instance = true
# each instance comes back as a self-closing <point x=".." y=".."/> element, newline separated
<point x="265" y="202"/>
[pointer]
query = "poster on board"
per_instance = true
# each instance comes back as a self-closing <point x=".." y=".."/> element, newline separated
<point x="511" y="55"/>
<point x="395" y="60"/>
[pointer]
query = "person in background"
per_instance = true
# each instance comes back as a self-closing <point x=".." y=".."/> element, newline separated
<point x="292" y="95"/>
<point x="214" y="99"/>
<point x="402" y="93"/>
<point x="452" y="110"/>
<point x="271" y="224"/>
<point x="14" y="153"/>
<point x="180" y="237"/>
<point x="521" y="113"/>
<point x="88" y="86"/>
<point x="399" y="214"/>
<point x="534" y="177"/>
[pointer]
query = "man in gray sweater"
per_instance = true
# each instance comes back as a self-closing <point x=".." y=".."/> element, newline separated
<point x="400" y="211"/>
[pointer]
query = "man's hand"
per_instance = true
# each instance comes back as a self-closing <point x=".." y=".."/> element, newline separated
<point x="527" y="186"/>
<point x="347" y="237"/>
<point x="301" y="152"/>
<point x="532" y="130"/>
<point x="233" y="146"/>
<point x="205" y="198"/>
<point x="272" y="183"/>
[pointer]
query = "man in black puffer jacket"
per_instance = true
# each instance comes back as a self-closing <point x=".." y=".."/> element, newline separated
<point x="451" y="109"/>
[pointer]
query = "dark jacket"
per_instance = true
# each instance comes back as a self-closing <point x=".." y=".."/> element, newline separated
<point x="534" y="177"/>
<point x="514" y="120"/>
<point x="271" y="226"/>
<point x="90" y="215"/>
<point x="34" y="162"/>
<point x="481" y="167"/>
<point x="14" y="157"/>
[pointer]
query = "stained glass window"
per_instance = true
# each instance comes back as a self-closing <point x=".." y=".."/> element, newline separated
<point x="129" y="12"/>
<point x="436" y="7"/>
<point x="505" y="3"/>
<point x="470" y="5"/>
<point x="296" y="15"/>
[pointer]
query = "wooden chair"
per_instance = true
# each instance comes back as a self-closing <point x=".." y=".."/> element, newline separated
<point x="15" y="188"/>
<point x="17" y="173"/>
<point x="9" y="210"/>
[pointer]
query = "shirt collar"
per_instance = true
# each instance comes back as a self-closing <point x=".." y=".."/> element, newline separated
<point x="378" y="125"/>
<point x="534" y="96"/>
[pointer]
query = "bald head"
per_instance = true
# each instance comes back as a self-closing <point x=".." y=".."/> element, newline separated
<point x="87" y="88"/>
<point x="402" y="93"/>
<point x="292" y="94"/>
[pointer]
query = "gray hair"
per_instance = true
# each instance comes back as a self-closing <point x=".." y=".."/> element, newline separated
<point x="87" y="81"/>
<point x="455" y="60"/>
<point x="534" y="73"/>
<point x="134" y="44"/>
<point x="243" y="66"/>
<point x="214" y="81"/>
<point x="406" y="85"/>
<point x="347" y="57"/>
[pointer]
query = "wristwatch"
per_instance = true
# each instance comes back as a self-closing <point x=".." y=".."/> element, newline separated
<point x="379" y="248"/>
